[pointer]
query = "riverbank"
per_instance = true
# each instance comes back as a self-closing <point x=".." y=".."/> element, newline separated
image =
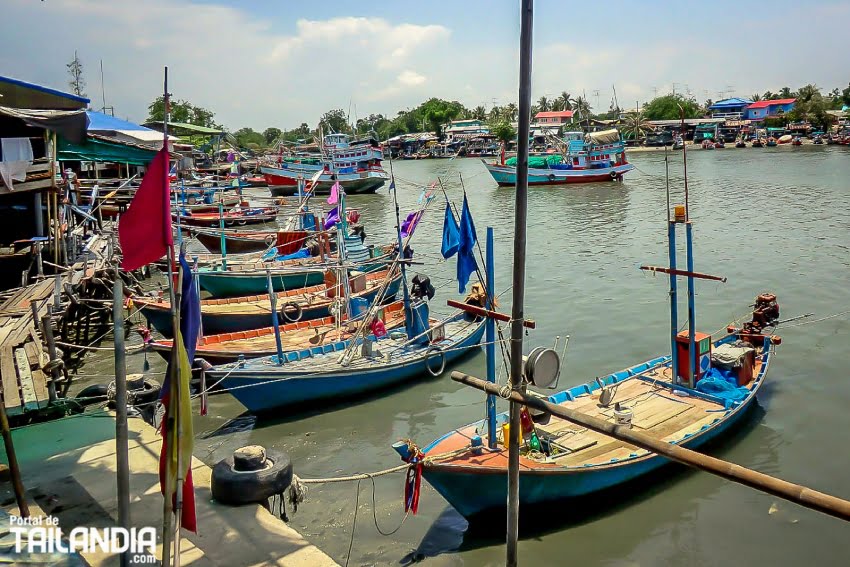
<point x="69" y="470"/>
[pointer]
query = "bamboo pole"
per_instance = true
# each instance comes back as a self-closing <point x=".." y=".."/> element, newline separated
<point x="798" y="494"/>
<point x="122" y="456"/>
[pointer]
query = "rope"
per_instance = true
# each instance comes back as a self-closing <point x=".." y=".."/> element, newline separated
<point x="128" y="350"/>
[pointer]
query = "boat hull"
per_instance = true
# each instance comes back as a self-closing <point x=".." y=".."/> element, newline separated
<point x="230" y="284"/>
<point x="217" y="323"/>
<point x="284" y="182"/>
<point x="275" y="388"/>
<point x="506" y="176"/>
<point x="235" y="244"/>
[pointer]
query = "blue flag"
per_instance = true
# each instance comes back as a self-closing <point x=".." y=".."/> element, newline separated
<point x="190" y="309"/>
<point x="466" y="243"/>
<point x="392" y="186"/>
<point x="451" y="234"/>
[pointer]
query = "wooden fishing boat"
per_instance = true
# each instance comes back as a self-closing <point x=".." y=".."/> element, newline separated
<point x="576" y="462"/>
<point x="263" y="385"/>
<point x="771" y="142"/>
<point x="254" y="311"/>
<point x="758" y="143"/>
<point x="740" y="143"/>
<point x="316" y="336"/>
<point x="242" y="217"/>
<point x="785" y="139"/>
<point x="250" y="278"/>
<point x="236" y="242"/>
<point x="602" y="157"/>
<point x="797" y="141"/>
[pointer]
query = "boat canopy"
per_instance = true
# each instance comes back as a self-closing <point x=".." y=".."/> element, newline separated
<point x="99" y="149"/>
<point x="603" y="137"/>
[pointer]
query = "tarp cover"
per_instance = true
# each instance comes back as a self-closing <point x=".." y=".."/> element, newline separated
<point x="538" y="162"/>
<point x="102" y="151"/>
<point x="603" y="137"/>
<point x="71" y="124"/>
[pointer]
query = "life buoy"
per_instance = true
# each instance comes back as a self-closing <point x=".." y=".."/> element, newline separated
<point x="270" y="239"/>
<point x="292" y="311"/>
<point x="551" y="177"/>
<point x="613" y="175"/>
<point x="435" y="350"/>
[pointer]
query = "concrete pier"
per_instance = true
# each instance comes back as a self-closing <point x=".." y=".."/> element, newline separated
<point x="69" y="471"/>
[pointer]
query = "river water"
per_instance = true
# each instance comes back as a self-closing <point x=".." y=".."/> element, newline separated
<point x="767" y="219"/>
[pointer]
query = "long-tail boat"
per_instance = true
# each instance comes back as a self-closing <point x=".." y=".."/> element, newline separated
<point x="254" y="311"/>
<point x="316" y="336"/>
<point x="237" y="242"/>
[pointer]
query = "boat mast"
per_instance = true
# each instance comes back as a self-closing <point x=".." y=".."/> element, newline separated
<point x="517" y="310"/>
<point x="408" y="312"/>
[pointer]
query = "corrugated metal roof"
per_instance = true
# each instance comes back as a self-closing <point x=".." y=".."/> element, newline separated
<point x="766" y="103"/>
<point x="730" y="102"/>
<point x="15" y="93"/>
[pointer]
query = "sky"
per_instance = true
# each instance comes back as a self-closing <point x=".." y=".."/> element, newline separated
<point x="261" y="63"/>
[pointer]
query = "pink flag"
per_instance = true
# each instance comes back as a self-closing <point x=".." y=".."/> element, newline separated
<point x="144" y="231"/>
<point x="334" y="197"/>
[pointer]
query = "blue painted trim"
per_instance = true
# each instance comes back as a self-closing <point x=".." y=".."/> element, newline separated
<point x="39" y="88"/>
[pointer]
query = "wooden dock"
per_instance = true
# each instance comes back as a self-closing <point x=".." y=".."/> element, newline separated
<point x="70" y="468"/>
<point x="22" y="358"/>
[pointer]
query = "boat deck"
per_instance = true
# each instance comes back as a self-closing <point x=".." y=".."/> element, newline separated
<point x="657" y="411"/>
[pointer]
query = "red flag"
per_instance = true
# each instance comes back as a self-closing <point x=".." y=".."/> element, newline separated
<point x="144" y="231"/>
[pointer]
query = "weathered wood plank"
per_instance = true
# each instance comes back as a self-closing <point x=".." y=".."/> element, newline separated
<point x="25" y="377"/>
<point x="11" y="391"/>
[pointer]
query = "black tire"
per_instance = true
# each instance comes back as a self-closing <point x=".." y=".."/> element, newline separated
<point x="233" y="487"/>
<point x="429" y="355"/>
<point x="291" y="312"/>
<point x="551" y="177"/>
<point x="149" y="392"/>
<point x="613" y="175"/>
<point x="94" y="393"/>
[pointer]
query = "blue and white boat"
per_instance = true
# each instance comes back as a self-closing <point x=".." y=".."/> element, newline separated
<point x="266" y="384"/>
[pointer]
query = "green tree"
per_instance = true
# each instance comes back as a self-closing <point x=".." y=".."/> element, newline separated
<point x="248" y="138"/>
<point x="440" y="112"/>
<point x="479" y="113"/>
<point x="636" y="126"/>
<point x="504" y="132"/>
<point x="806" y="93"/>
<point x="510" y="111"/>
<point x="77" y="82"/>
<point x="768" y="96"/>
<point x="181" y="111"/>
<point x="563" y="101"/>
<point x="543" y="104"/>
<point x="786" y="92"/>
<point x="582" y="108"/>
<point x="335" y="120"/>
<point x="271" y="134"/>
<point x="667" y="107"/>
<point x="845" y="95"/>
<point x="755" y="97"/>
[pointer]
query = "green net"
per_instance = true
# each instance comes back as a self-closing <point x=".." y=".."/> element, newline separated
<point x="538" y="162"/>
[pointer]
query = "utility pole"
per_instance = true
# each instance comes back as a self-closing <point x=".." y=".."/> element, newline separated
<point x="674" y="88"/>
<point x="518" y="307"/>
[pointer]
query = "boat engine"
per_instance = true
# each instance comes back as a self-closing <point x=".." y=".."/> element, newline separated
<point x="765" y="313"/>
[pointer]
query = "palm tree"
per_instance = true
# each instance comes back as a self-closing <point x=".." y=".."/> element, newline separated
<point x="510" y="111"/>
<point x="495" y="113"/>
<point x="543" y="105"/>
<point x="636" y="125"/>
<point x="805" y="94"/>
<point x="479" y="113"/>
<point x="563" y="102"/>
<point x="768" y="96"/>
<point x="755" y="97"/>
<point x="581" y="107"/>
<point x="785" y="92"/>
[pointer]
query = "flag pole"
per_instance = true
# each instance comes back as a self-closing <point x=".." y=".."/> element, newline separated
<point x="171" y="447"/>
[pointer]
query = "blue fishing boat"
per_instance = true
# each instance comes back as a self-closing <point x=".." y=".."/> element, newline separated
<point x="598" y="156"/>
<point x="573" y="461"/>
<point x="265" y="384"/>
<point x="254" y="311"/>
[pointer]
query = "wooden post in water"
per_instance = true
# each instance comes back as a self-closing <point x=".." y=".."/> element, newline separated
<point x="223" y="239"/>
<point x="55" y="372"/>
<point x="14" y="468"/>
<point x="275" y="320"/>
<point x="122" y="457"/>
<point x="517" y="311"/>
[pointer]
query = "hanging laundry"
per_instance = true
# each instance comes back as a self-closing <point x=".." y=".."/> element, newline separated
<point x="466" y="263"/>
<point x="333" y="199"/>
<point x="15" y="159"/>
<point x="451" y="234"/>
